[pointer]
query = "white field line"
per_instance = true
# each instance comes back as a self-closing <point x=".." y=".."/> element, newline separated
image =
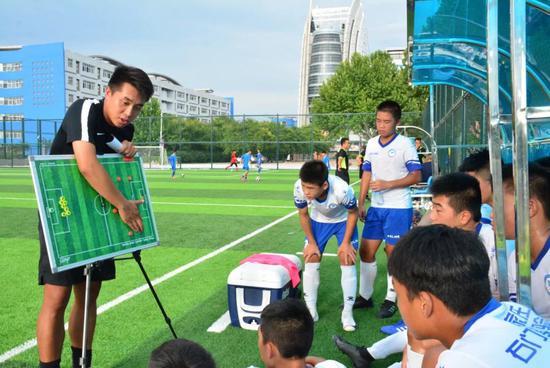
<point x="221" y="324"/>
<point x="113" y="303"/>
<point x="179" y="203"/>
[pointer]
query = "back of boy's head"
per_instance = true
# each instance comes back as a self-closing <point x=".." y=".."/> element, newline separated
<point x="450" y="263"/>
<point x="288" y="325"/>
<point x="392" y="107"/>
<point x="462" y="190"/>
<point x="539" y="182"/>
<point x="479" y="163"/>
<point x="134" y="76"/>
<point x="314" y="172"/>
<point x="181" y="353"/>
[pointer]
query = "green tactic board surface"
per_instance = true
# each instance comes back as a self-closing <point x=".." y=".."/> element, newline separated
<point x="80" y="226"/>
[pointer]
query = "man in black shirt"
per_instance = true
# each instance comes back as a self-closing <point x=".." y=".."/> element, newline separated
<point x="342" y="163"/>
<point x="87" y="127"/>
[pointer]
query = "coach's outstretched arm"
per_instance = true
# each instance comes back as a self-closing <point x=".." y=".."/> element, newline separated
<point x="95" y="174"/>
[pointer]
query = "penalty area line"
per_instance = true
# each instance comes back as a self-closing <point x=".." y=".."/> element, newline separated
<point x="29" y="344"/>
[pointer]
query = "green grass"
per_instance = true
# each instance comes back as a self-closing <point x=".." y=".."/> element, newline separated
<point x="194" y="299"/>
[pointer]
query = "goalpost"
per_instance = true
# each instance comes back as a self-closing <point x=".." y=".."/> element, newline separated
<point x="152" y="156"/>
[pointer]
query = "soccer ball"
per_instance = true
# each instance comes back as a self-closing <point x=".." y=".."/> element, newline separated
<point x="257" y="178"/>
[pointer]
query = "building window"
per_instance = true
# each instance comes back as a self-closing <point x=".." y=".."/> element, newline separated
<point x="87" y="85"/>
<point x="10" y="134"/>
<point x="193" y="98"/>
<point x="11" y="117"/>
<point x="107" y="74"/>
<point x="10" y="67"/>
<point x="204" y="111"/>
<point x="181" y="95"/>
<point x="88" y="68"/>
<point x="214" y="103"/>
<point x="18" y="83"/>
<point x="70" y="62"/>
<point x="192" y="108"/>
<point x="70" y="80"/>
<point x="224" y="105"/>
<point x="71" y="98"/>
<point x="11" y="101"/>
<point x="204" y="100"/>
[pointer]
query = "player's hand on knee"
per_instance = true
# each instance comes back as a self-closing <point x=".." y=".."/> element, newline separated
<point x="129" y="214"/>
<point x="311" y="253"/>
<point x="128" y="149"/>
<point x="347" y="254"/>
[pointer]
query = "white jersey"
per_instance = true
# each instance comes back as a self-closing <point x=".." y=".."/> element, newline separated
<point x="501" y="335"/>
<point x="487" y="236"/>
<point x="334" y="209"/>
<point x="391" y="161"/>
<point x="540" y="282"/>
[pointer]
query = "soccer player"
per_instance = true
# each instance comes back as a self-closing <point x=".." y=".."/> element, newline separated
<point x="539" y="229"/>
<point x="440" y="275"/>
<point x="285" y="336"/>
<point x="326" y="159"/>
<point x="233" y="161"/>
<point x="181" y="353"/>
<point x="342" y="160"/>
<point x="173" y="160"/>
<point x="246" y="165"/>
<point x="333" y="212"/>
<point x="391" y="166"/>
<point x="87" y="127"/>
<point x="456" y="203"/>
<point x="259" y="160"/>
<point x="477" y="164"/>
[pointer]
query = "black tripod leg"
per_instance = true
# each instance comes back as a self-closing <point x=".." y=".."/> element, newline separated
<point x="137" y="257"/>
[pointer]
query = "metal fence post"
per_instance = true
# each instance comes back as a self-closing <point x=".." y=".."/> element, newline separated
<point x="278" y="144"/>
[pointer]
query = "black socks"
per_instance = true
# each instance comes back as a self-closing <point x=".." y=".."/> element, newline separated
<point x="77" y="353"/>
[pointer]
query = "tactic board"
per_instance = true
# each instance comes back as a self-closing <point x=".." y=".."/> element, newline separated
<point x="80" y="226"/>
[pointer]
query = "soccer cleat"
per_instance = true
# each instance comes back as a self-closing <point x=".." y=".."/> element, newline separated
<point x="396" y="327"/>
<point x="361" y="302"/>
<point x="314" y="315"/>
<point x="358" y="355"/>
<point x="387" y="309"/>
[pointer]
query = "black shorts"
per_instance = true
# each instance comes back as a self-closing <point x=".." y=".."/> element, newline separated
<point x="102" y="271"/>
<point x="344" y="175"/>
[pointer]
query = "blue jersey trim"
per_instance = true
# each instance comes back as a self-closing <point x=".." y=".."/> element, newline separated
<point x="489" y="307"/>
<point x="352" y="204"/>
<point x="367" y="166"/>
<point x="541" y="254"/>
<point x="301" y="204"/>
<point x="487" y="221"/>
<point x="391" y="140"/>
<point x="413" y="165"/>
<point x="478" y="227"/>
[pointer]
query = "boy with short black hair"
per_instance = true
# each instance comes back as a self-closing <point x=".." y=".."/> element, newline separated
<point x="539" y="229"/>
<point x="342" y="160"/>
<point x="440" y="276"/>
<point x="181" y="353"/>
<point x="333" y="213"/>
<point x="285" y="336"/>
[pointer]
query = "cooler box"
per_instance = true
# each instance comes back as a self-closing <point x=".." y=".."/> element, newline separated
<point x="252" y="286"/>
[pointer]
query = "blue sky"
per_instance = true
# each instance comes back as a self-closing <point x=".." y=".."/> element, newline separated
<point x="248" y="49"/>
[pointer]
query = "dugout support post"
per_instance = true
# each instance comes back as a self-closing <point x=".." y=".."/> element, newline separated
<point x="137" y="257"/>
<point x="88" y="273"/>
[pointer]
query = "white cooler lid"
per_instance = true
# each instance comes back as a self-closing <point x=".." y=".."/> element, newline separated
<point x="259" y="275"/>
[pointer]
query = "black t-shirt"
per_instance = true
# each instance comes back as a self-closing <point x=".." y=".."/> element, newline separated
<point x="84" y="121"/>
<point x="345" y="164"/>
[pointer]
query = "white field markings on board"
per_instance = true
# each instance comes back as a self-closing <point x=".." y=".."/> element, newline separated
<point x="132" y="293"/>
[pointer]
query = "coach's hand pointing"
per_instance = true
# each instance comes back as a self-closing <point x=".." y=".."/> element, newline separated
<point x="129" y="214"/>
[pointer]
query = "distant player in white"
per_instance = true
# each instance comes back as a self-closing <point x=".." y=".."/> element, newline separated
<point x="440" y="276"/>
<point x="539" y="227"/>
<point x="390" y="167"/>
<point x="333" y="212"/>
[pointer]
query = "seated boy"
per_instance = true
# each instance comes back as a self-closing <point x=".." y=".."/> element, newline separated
<point x="286" y="334"/>
<point x="333" y="212"/>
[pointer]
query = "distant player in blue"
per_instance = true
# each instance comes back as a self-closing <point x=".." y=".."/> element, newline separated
<point x="326" y="159"/>
<point x="173" y="160"/>
<point x="246" y="165"/>
<point x="259" y="160"/>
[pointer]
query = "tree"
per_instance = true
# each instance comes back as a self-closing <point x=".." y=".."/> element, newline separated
<point x="358" y="86"/>
<point x="147" y="125"/>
